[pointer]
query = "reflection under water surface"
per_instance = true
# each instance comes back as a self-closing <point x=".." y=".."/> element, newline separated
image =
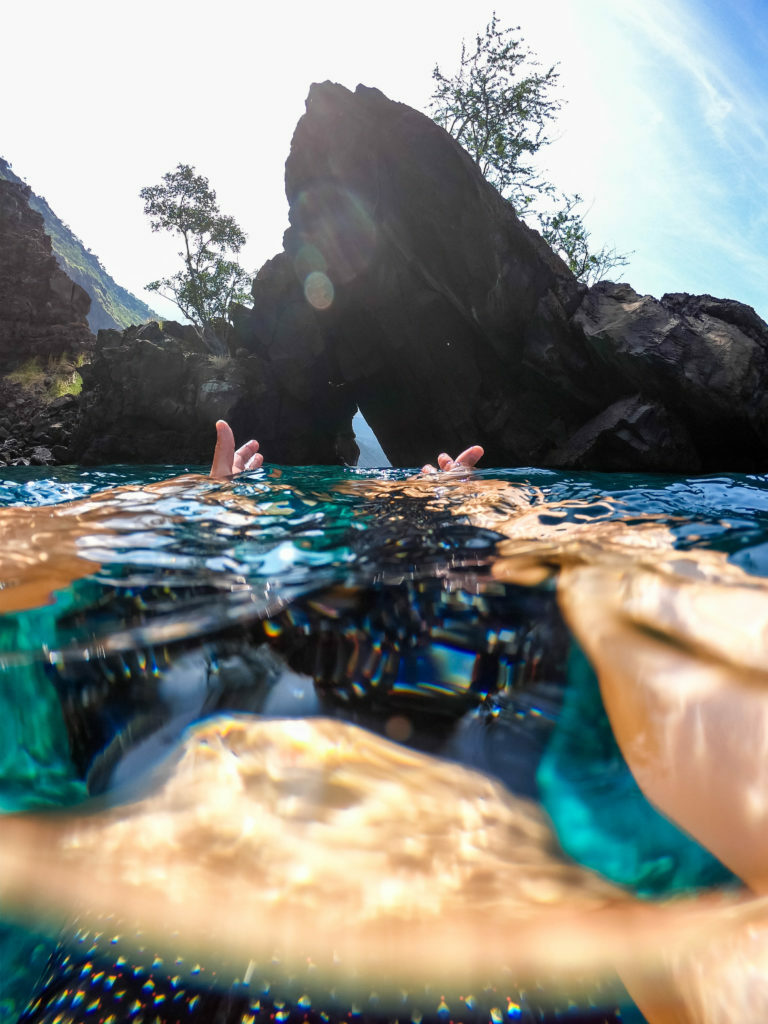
<point x="325" y="736"/>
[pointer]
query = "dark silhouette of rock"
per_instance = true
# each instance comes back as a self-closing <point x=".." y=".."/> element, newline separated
<point x="703" y="364"/>
<point x="438" y="307"/>
<point x="153" y="395"/>
<point x="42" y="312"/>
<point x="449" y="321"/>
<point x="410" y="289"/>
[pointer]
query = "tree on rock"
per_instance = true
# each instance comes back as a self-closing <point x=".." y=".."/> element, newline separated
<point x="499" y="106"/>
<point x="185" y="204"/>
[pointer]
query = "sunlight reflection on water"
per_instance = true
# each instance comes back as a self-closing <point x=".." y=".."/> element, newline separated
<point x="437" y="613"/>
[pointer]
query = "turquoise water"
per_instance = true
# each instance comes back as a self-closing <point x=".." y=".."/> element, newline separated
<point x="382" y="597"/>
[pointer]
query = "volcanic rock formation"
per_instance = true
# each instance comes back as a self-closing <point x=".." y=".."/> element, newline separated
<point x="698" y="367"/>
<point x="153" y="395"/>
<point x="445" y="305"/>
<point x="111" y="305"/>
<point x="42" y="311"/>
<point x="410" y="289"/>
<point x="452" y="322"/>
<point x="448" y="320"/>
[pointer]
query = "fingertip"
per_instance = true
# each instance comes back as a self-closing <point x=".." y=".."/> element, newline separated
<point x="470" y="457"/>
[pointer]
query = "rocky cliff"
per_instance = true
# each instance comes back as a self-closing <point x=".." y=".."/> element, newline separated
<point x="408" y="288"/>
<point x="43" y="334"/>
<point x="42" y="311"/>
<point x="450" y="321"/>
<point x="111" y="305"/>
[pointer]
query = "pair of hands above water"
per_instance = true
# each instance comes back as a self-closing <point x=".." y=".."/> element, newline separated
<point x="228" y="460"/>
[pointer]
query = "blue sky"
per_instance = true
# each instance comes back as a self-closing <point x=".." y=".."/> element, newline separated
<point x="705" y="185"/>
<point x="664" y="133"/>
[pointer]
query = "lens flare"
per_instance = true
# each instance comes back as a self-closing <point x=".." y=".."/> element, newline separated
<point x="308" y="259"/>
<point x="334" y="232"/>
<point x="318" y="289"/>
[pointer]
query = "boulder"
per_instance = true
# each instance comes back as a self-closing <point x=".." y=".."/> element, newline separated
<point x="632" y="433"/>
<point x="701" y="361"/>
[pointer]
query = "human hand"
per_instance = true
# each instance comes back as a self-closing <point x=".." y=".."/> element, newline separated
<point x="226" y="461"/>
<point x="467" y="460"/>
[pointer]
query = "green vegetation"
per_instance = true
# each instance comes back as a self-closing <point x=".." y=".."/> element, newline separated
<point x="26" y="374"/>
<point x="499" y="106"/>
<point x="204" y="289"/>
<point x="58" y="377"/>
<point x="221" y="362"/>
<point x="111" y="305"/>
<point x="71" y="384"/>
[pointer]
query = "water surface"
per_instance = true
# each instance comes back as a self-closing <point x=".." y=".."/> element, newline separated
<point x="339" y="742"/>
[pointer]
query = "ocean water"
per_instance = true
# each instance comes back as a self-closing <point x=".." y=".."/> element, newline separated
<point x="325" y="744"/>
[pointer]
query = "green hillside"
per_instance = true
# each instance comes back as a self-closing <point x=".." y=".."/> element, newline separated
<point x="111" y="305"/>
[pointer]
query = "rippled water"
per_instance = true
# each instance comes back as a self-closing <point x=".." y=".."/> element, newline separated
<point x="325" y="744"/>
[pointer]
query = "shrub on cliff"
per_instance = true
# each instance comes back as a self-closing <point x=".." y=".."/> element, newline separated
<point x="185" y="204"/>
<point x="499" y="105"/>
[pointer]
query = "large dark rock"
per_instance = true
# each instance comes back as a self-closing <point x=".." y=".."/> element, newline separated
<point x="42" y="312"/>
<point x="153" y="395"/>
<point x="410" y="289"/>
<point x="440" y="310"/>
<point x="448" y="321"/>
<point x="701" y="362"/>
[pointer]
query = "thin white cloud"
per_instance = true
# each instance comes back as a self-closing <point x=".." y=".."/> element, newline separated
<point x="732" y="107"/>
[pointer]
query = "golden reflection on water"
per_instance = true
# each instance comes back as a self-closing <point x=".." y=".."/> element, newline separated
<point x="266" y="838"/>
<point x="284" y="842"/>
<point x="44" y="549"/>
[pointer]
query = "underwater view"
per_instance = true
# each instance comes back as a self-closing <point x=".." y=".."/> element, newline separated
<point x="325" y="744"/>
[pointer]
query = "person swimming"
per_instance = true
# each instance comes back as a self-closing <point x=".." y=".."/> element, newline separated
<point x="229" y="461"/>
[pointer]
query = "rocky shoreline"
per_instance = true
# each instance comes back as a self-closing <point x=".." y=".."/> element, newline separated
<point x="34" y="431"/>
<point x="410" y="290"/>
